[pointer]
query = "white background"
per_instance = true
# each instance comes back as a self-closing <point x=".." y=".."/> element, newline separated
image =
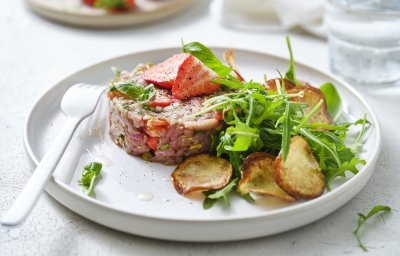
<point x="36" y="53"/>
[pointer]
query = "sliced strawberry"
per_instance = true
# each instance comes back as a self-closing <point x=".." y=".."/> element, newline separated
<point x="161" y="102"/>
<point x="164" y="74"/>
<point x="152" y="142"/>
<point x="194" y="79"/>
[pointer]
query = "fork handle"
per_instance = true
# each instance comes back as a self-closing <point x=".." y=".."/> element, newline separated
<point x="28" y="197"/>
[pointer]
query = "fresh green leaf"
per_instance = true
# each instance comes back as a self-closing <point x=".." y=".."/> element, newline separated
<point x="218" y="194"/>
<point x="363" y="218"/>
<point x="90" y="175"/>
<point x="287" y="127"/>
<point x="291" y="73"/>
<point x="130" y="89"/>
<point x="148" y="93"/>
<point x="364" y="123"/>
<point x="208" y="202"/>
<point x="244" y="136"/>
<point x="247" y="197"/>
<point x="135" y="91"/>
<point x="116" y="71"/>
<point x="207" y="57"/>
<point x="333" y="100"/>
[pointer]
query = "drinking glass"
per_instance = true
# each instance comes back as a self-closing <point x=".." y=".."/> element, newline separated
<point x="364" y="40"/>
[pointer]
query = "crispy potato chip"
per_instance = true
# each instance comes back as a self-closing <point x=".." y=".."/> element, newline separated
<point x="271" y="83"/>
<point x="311" y="97"/>
<point x="300" y="175"/>
<point x="201" y="172"/>
<point x="258" y="176"/>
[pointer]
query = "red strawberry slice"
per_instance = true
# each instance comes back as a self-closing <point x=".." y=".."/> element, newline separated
<point x="164" y="74"/>
<point x="194" y="79"/>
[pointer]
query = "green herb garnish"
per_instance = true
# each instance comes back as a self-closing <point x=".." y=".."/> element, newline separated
<point x="212" y="196"/>
<point x="333" y="101"/>
<point x="206" y="56"/>
<point x="116" y="71"/>
<point x="90" y="175"/>
<point x="135" y="91"/>
<point x="363" y="218"/>
<point x="291" y="73"/>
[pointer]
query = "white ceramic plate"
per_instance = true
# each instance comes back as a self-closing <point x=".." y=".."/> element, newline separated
<point x="168" y="215"/>
<point x="73" y="12"/>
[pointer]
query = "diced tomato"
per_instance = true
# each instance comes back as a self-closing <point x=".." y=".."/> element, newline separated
<point x="152" y="142"/>
<point x="194" y="79"/>
<point x="157" y="123"/>
<point x="164" y="74"/>
<point x="161" y="102"/>
<point x="218" y="115"/>
<point x="115" y="93"/>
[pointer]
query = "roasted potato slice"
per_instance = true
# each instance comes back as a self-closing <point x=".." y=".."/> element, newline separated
<point x="271" y="84"/>
<point x="300" y="175"/>
<point x="258" y="176"/>
<point x="201" y="172"/>
<point x="311" y="97"/>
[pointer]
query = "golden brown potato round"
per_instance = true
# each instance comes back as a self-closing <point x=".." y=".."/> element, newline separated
<point x="271" y="83"/>
<point x="258" y="176"/>
<point x="201" y="172"/>
<point x="311" y="97"/>
<point x="300" y="175"/>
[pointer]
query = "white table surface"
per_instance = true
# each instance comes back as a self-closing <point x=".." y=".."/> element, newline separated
<point x="36" y="53"/>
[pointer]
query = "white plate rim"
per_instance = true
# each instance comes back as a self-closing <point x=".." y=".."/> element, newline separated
<point x="304" y="206"/>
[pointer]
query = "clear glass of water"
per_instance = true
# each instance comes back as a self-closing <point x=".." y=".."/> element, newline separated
<point x="364" y="40"/>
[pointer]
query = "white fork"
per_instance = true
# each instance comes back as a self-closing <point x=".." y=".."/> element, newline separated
<point x="78" y="102"/>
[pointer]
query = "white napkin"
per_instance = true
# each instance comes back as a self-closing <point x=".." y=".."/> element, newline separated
<point x="270" y="14"/>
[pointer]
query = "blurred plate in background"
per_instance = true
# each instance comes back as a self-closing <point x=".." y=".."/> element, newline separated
<point x="74" y="12"/>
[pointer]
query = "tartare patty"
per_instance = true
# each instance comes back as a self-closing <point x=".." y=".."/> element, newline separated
<point x="162" y="129"/>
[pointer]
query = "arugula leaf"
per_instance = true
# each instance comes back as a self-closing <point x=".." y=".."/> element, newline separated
<point x="291" y="73"/>
<point x="333" y="100"/>
<point x="90" y="175"/>
<point x="244" y="136"/>
<point x="212" y="196"/>
<point x="363" y="123"/>
<point x="207" y="57"/>
<point x="362" y="219"/>
<point x="287" y="127"/>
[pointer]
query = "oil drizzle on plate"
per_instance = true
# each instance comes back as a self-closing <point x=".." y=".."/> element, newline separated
<point x="145" y="196"/>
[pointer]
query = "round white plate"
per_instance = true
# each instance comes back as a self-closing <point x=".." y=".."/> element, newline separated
<point x="168" y="215"/>
<point x="73" y="12"/>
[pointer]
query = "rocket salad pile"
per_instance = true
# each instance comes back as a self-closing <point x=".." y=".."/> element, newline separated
<point x="273" y="117"/>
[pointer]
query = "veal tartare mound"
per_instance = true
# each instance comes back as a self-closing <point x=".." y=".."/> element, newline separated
<point x="159" y="127"/>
